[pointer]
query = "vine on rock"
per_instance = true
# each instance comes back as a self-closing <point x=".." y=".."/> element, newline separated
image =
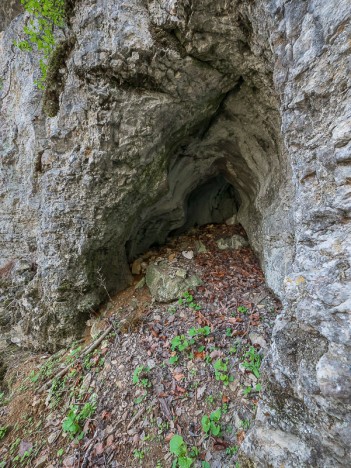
<point x="45" y="17"/>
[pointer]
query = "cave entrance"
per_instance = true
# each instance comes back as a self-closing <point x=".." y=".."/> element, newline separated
<point x="212" y="201"/>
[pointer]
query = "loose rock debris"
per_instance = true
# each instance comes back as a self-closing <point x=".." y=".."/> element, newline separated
<point x="190" y="367"/>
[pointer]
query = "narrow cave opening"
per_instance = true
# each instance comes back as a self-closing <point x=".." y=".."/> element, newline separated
<point x="212" y="201"/>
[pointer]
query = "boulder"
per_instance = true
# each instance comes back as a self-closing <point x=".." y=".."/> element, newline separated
<point x="167" y="283"/>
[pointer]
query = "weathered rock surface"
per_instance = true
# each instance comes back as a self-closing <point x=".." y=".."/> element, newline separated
<point x="156" y="99"/>
<point x="234" y="242"/>
<point x="9" y="9"/>
<point x="167" y="284"/>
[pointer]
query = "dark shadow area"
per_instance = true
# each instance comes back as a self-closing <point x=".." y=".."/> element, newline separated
<point x="213" y="201"/>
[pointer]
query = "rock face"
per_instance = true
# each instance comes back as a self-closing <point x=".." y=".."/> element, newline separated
<point x="154" y="100"/>
<point x="9" y="10"/>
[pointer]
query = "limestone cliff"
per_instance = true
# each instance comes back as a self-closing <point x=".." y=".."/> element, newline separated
<point x="150" y="101"/>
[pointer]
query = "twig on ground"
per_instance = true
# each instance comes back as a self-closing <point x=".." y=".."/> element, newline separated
<point x="64" y="371"/>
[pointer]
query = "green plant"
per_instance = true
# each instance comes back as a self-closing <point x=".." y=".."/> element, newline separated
<point x="140" y="376"/>
<point x="174" y="359"/>
<point x="242" y="309"/>
<point x="181" y="343"/>
<point x="253" y="362"/>
<point x="139" y="454"/>
<point x="205" y="464"/>
<point x="74" y="418"/>
<point x="204" y="331"/>
<point x="188" y="299"/>
<point x="210" y="399"/>
<point x="60" y="452"/>
<point x="228" y="332"/>
<point x="232" y="450"/>
<point x="45" y="17"/>
<point x="209" y="423"/>
<point x="221" y="371"/>
<point x="245" y="424"/>
<point x="3" y="431"/>
<point x="224" y="408"/>
<point x="178" y="447"/>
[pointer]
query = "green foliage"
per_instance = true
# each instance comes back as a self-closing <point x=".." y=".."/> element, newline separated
<point x="242" y="309"/>
<point x="209" y="423"/>
<point x="245" y="424"/>
<point x="140" y="377"/>
<point x="3" y="431"/>
<point x="74" y="419"/>
<point x="205" y="331"/>
<point x="221" y="371"/>
<point x="188" y="299"/>
<point x="45" y="16"/>
<point x="232" y="450"/>
<point x="253" y="362"/>
<point x="181" y="343"/>
<point x="178" y="447"/>
<point x="139" y="454"/>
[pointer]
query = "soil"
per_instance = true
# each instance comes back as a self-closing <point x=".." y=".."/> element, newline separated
<point x="140" y="398"/>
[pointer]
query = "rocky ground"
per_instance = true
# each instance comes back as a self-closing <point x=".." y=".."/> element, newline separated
<point x="176" y="380"/>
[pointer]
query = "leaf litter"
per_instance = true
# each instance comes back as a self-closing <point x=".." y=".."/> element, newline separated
<point x="188" y="369"/>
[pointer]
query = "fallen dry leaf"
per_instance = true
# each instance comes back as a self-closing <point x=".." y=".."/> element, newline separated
<point x="240" y="436"/>
<point x="178" y="377"/>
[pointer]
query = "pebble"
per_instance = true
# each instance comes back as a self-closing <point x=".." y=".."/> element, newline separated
<point x="53" y="437"/>
<point x="188" y="254"/>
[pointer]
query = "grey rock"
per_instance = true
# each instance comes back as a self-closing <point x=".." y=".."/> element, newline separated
<point x="234" y="242"/>
<point x="166" y="285"/>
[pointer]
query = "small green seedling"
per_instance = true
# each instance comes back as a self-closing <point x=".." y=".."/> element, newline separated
<point x="205" y="331"/>
<point x="174" y="359"/>
<point x="139" y="454"/>
<point x="3" y="431"/>
<point x="221" y="372"/>
<point x="178" y="447"/>
<point x="228" y="332"/>
<point x="181" y="343"/>
<point x="232" y="450"/>
<point x="74" y="418"/>
<point x="242" y="309"/>
<point x="245" y="424"/>
<point x="140" y="377"/>
<point x="188" y="299"/>
<point x="253" y="362"/>
<point x="208" y="423"/>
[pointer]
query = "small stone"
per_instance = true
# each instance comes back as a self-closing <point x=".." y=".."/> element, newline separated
<point x="24" y="447"/>
<point x="188" y="254"/>
<point x="41" y="461"/>
<point x="181" y="273"/>
<point x="200" y="391"/>
<point x="151" y="363"/>
<point x="255" y="338"/>
<point x="200" y="247"/>
<point x="53" y="437"/>
<point x="68" y="462"/>
<point x="136" y="267"/>
<point x="235" y="242"/>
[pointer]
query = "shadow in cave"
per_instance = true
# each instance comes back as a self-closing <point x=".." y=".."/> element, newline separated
<point x="211" y="202"/>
